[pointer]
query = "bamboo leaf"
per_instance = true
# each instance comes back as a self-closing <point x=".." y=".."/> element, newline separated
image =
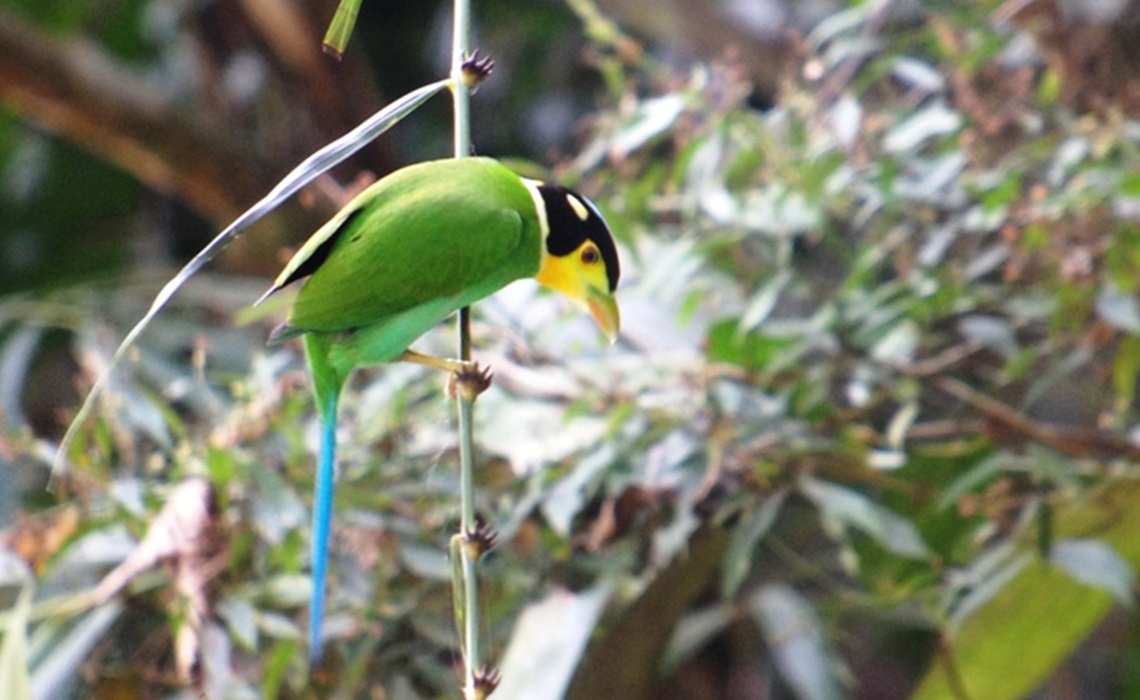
<point x="852" y="509"/>
<point x="738" y="558"/>
<point x="1007" y="631"/>
<point x="58" y="669"/>
<point x="797" y="641"/>
<point x="340" y="29"/>
<point x="1096" y="564"/>
<point x="309" y="169"/>
<point x="14" y="679"/>
<point x="622" y="661"/>
<point x="548" y="642"/>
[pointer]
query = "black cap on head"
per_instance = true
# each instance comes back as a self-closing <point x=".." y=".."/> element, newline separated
<point x="573" y="220"/>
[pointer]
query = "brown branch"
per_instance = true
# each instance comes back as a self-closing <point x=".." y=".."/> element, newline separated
<point x="70" y="87"/>
<point x="1074" y="442"/>
<point x="700" y="31"/>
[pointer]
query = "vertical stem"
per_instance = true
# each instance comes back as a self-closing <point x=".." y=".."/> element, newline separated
<point x="461" y="99"/>
<point x="468" y="554"/>
<point x="459" y="90"/>
<point x="470" y="599"/>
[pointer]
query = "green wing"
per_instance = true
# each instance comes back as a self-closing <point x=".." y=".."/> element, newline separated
<point x="436" y="235"/>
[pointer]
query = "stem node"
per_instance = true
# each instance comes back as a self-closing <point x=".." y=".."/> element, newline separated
<point x="476" y="70"/>
<point x="479" y="540"/>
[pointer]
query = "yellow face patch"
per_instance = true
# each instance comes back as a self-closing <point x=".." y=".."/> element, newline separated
<point x="575" y="274"/>
<point x="560" y="273"/>
<point x="581" y="276"/>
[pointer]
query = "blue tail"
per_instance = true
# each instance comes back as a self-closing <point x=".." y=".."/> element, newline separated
<point x="322" y="515"/>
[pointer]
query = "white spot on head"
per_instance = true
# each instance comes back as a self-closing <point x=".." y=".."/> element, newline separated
<point x="578" y="206"/>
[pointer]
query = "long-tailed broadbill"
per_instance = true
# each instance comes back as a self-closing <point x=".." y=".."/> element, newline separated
<point x="408" y="251"/>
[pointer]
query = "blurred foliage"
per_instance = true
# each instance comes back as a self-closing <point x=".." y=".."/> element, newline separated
<point x="869" y="431"/>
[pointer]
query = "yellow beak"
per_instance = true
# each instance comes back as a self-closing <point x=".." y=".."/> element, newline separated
<point x="604" y="309"/>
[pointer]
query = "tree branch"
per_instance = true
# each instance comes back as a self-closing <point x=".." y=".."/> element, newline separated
<point x="72" y="88"/>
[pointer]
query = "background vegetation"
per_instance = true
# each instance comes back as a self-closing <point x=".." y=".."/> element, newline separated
<point x="869" y="432"/>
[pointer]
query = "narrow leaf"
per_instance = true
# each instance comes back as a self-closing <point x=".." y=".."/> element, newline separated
<point x="853" y="509"/>
<point x="309" y="169"/>
<point x="932" y="122"/>
<point x="763" y="302"/>
<point x="738" y="558"/>
<point x="797" y="642"/>
<point x="1095" y="563"/>
<point x="624" y="658"/>
<point x="547" y="644"/>
<point x="1044" y="612"/>
<point x="1119" y="308"/>
<point x="56" y="671"/>
<point x="340" y="29"/>
<point x="14" y="679"/>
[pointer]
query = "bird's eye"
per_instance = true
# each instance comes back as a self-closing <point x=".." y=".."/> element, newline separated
<point x="590" y="256"/>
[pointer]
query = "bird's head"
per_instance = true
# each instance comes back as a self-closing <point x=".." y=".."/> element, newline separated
<point x="579" y="258"/>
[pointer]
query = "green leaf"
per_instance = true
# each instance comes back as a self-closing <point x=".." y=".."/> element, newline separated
<point x="429" y="563"/>
<point x="738" y="558"/>
<point x="853" y="509"/>
<point x="653" y="117"/>
<point x="566" y="498"/>
<point x="932" y="122"/>
<point x="624" y="662"/>
<point x="1118" y="308"/>
<point x="276" y="509"/>
<point x="985" y="577"/>
<point x="278" y="626"/>
<point x="547" y="644"/>
<point x="898" y="345"/>
<point x="1030" y="625"/>
<point x="57" y="670"/>
<point x="14" y="679"/>
<point x="694" y="632"/>
<point x="240" y="617"/>
<point x="287" y="591"/>
<point x="340" y="29"/>
<point x="312" y="167"/>
<point x="752" y="351"/>
<point x="762" y="303"/>
<point x="797" y="642"/>
<point x="1043" y="613"/>
<point x="1125" y="370"/>
<point x="1094" y="563"/>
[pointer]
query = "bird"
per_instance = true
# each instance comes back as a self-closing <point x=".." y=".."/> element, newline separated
<point x="407" y="252"/>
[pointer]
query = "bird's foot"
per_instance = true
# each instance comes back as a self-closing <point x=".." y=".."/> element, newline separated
<point x="443" y="364"/>
<point x="465" y="378"/>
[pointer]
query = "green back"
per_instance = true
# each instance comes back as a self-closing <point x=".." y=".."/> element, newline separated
<point x="433" y="236"/>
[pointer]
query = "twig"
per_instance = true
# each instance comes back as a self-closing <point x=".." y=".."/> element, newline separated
<point x="71" y="87"/>
<point x="468" y="390"/>
<point x="1077" y="443"/>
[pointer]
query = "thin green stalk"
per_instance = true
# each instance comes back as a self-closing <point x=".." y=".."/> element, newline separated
<point x="466" y="399"/>
<point x="460" y="49"/>
<point x="469" y="556"/>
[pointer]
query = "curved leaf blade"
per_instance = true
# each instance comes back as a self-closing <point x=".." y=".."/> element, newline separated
<point x="309" y="169"/>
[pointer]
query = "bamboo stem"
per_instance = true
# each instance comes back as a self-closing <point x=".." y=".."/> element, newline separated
<point x="466" y="399"/>
<point x="468" y="556"/>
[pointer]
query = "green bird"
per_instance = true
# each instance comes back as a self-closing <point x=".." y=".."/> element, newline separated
<point x="408" y="251"/>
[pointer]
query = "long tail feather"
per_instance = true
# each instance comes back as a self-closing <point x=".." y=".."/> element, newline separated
<point x="322" y="516"/>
